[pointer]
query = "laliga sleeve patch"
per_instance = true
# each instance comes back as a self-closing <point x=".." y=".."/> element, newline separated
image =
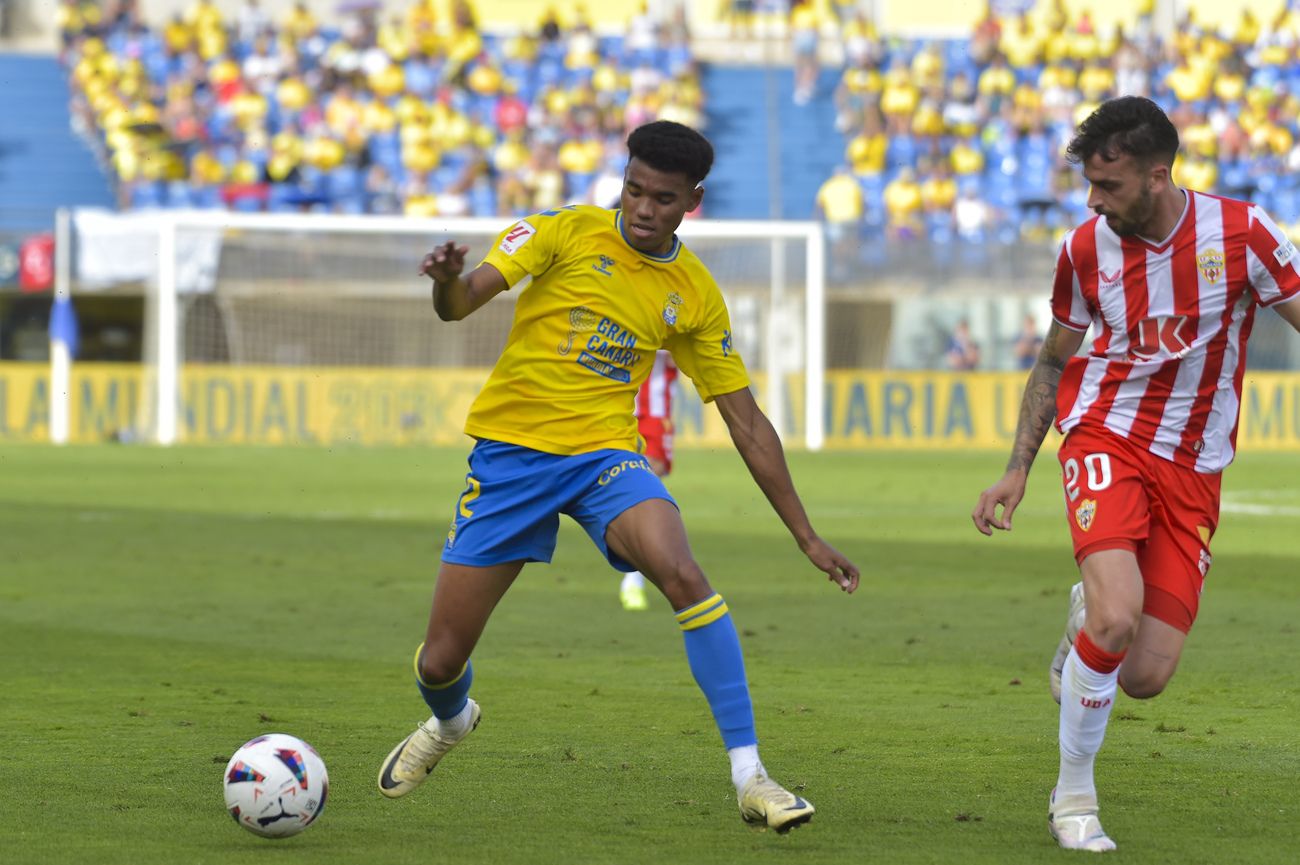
<point x="1285" y="252"/>
<point x="516" y="237"/>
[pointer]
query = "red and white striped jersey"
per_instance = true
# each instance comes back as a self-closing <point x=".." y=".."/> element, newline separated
<point x="1171" y="320"/>
<point x="655" y="398"/>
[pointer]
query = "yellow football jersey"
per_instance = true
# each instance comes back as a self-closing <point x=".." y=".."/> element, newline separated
<point x="586" y="330"/>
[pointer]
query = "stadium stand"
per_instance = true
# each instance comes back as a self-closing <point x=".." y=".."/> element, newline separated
<point x="42" y="164"/>
<point x="988" y="116"/>
<point x="400" y="113"/>
<point x="958" y="140"/>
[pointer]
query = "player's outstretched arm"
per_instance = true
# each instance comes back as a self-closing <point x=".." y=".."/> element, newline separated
<point x="1037" y="411"/>
<point x="454" y="296"/>
<point x="761" y="450"/>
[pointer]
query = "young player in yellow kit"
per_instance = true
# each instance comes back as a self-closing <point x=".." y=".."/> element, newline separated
<point x="555" y="433"/>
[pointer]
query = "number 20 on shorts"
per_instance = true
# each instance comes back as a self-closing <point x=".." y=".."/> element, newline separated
<point x="1097" y="469"/>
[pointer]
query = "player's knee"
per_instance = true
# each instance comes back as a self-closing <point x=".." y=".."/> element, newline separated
<point x="683" y="583"/>
<point x="1112" y="629"/>
<point x="438" y="666"/>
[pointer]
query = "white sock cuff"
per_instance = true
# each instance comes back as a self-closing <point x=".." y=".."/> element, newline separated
<point x="455" y="727"/>
<point x="744" y="764"/>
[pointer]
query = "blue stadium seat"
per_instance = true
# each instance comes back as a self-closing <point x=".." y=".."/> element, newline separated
<point x="483" y="199"/>
<point x="611" y="46"/>
<point x="1234" y="177"/>
<point x="874" y="216"/>
<point x="548" y="73"/>
<point x="275" y="116"/>
<point x="386" y="150"/>
<point x="180" y="194"/>
<point x="421" y="78"/>
<point x="901" y="152"/>
<point x="257" y="158"/>
<point x="1033" y="183"/>
<point x="155" y="60"/>
<point x="1266" y="77"/>
<point x="282" y="198"/>
<point x="873" y="188"/>
<point x="445" y="175"/>
<point x="351" y="205"/>
<point x="208" y="197"/>
<point x="676" y="60"/>
<point x="247" y="204"/>
<point x="146" y="195"/>
<point x="578" y="182"/>
<point x="1286" y="205"/>
<point x="343" y="182"/>
<point x="311" y="181"/>
<point x="939" y="228"/>
<point x="1000" y="190"/>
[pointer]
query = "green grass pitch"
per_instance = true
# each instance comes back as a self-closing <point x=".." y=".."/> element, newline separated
<point x="160" y="607"/>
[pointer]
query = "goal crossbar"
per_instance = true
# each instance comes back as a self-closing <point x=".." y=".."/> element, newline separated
<point x="165" y="357"/>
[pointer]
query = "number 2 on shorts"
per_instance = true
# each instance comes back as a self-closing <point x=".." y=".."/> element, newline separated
<point x="471" y="493"/>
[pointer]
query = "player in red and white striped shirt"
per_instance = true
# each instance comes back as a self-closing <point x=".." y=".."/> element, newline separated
<point x="1169" y="279"/>
<point x="654" y="420"/>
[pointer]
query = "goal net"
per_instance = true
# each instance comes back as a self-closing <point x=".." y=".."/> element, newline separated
<point x="313" y="328"/>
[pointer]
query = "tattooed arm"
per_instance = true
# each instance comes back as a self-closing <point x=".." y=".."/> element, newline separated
<point x="1037" y="411"/>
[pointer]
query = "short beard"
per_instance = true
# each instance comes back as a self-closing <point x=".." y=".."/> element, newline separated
<point x="1131" y="227"/>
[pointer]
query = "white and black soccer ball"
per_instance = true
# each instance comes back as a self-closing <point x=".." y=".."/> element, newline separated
<point x="275" y="785"/>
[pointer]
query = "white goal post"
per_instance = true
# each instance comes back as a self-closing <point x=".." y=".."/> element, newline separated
<point x="320" y="291"/>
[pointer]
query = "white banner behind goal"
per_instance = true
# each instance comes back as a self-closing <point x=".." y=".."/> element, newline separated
<point x="326" y="292"/>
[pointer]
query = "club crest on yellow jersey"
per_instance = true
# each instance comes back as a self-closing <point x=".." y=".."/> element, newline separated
<point x="671" y="303"/>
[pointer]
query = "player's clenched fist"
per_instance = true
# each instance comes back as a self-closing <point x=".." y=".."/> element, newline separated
<point x="445" y="262"/>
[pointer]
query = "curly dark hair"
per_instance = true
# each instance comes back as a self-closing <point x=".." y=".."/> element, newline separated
<point x="672" y="148"/>
<point x="1129" y="124"/>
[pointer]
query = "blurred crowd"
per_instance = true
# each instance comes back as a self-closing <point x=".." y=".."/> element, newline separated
<point x="421" y="111"/>
<point x="379" y="112"/>
<point x="962" y="141"/>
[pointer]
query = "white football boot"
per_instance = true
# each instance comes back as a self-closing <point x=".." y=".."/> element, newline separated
<point x="415" y="757"/>
<point x="762" y="800"/>
<point x="1073" y="624"/>
<point x="1073" y="822"/>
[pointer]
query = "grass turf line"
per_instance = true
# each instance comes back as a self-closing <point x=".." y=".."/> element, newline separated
<point x="160" y="607"/>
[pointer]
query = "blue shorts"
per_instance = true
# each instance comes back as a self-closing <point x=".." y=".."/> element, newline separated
<point x="510" y="510"/>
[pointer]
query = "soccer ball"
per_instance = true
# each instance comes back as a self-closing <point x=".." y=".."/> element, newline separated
<point x="275" y="785"/>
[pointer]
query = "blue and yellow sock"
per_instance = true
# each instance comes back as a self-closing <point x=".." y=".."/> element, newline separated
<point x="713" y="651"/>
<point x="447" y="699"/>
